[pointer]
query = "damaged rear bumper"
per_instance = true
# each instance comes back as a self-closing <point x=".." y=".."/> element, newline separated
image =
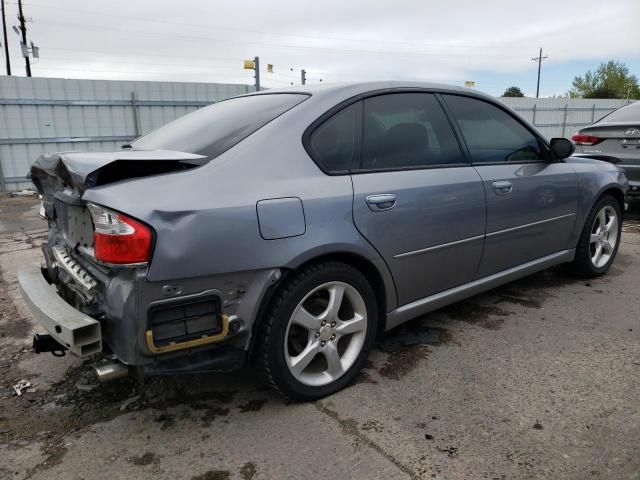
<point x="152" y="327"/>
<point x="72" y="329"/>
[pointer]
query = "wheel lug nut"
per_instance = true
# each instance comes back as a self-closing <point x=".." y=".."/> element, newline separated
<point x="333" y="324"/>
<point x="333" y="337"/>
<point x="317" y="334"/>
<point x="323" y="323"/>
<point x="323" y="343"/>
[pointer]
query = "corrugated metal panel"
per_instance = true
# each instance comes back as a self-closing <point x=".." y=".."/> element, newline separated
<point x="37" y="110"/>
<point x="28" y="118"/>
<point x="561" y="117"/>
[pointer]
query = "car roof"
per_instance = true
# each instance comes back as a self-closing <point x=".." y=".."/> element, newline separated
<point x="357" y="88"/>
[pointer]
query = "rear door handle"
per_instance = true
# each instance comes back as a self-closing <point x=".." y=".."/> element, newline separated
<point x="502" y="187"/>
<point x="381" y="202"/>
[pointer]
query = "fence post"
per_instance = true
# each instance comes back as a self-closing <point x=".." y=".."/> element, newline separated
<point x="136" y="117"/>
<point x="2" y="186"/>
<point x="593" y="113"/>
<point x="564" y="120"/>
<point x="533" y="120"/>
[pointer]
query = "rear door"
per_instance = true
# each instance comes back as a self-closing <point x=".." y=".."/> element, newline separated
<point x="416" y="199"/>
<point x="531" y="201"/>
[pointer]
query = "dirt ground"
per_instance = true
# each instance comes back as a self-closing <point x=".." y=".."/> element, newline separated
<point x="536" y="379"/>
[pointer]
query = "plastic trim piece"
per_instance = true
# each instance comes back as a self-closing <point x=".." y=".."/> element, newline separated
<point x="438" y="247"/>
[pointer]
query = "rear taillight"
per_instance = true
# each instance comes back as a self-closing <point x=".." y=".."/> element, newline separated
<point x="582" y="139"/>
<point x="119" y="239"/>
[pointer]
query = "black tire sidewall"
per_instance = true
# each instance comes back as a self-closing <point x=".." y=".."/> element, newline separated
<point x="584" y="254"/>
<point x="283" y="378"/>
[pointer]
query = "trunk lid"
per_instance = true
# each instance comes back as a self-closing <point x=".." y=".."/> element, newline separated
<point x="81" y="170"/>
<point x="62" y="178"/>
<point x="619" y="139"/>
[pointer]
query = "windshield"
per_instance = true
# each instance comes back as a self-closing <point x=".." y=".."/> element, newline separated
<point x="212" y="130"/>
<point x="628" y="113"/>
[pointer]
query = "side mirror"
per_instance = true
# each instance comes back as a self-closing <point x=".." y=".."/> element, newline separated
<point x="562" y="148"/>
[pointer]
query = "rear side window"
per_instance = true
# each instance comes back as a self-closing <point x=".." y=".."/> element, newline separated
<point x="334" y="142"/>
<point x="212" y="130"/>
<point x="407" y="130"/>
<point x="491" y="134"/>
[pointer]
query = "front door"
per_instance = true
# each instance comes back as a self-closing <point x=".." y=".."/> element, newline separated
<point x="531" y="201"/>
<point x="416" y="200"/>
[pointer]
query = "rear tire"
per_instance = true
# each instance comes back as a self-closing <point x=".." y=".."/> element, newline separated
<point x="317" y="331"/>
<point x="599" y="240"/>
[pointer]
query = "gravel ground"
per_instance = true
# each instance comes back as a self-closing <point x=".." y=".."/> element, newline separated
<point x="537" y="379"/>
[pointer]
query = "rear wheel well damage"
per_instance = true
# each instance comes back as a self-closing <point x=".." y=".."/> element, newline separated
<point x="360" y="263"/>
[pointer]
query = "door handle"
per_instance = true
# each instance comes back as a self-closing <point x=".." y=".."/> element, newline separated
<point x="381" y="202"/>
<point x="502" y="187"/>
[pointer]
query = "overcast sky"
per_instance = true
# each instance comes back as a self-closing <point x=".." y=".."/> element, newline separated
<point x="491" y="43"/>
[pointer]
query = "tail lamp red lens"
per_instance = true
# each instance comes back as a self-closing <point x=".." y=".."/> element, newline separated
<point x="118" y="239"/>
<point x="582" y="139"/>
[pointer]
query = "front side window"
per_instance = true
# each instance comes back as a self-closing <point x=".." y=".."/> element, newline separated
<point x="405" y="130"/>
<point x="491" y="134"/>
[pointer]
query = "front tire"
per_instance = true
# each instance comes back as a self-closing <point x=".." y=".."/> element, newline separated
<point x="317" y="331"/>
<point x="599" y="240"/>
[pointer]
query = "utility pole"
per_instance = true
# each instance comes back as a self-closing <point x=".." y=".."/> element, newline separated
<point x="539" y="59"/>
<point x="303" y="76"/>
<point x="6" y="41"/>
<point x="256" y="66"/>
<point x="23" y="29"/>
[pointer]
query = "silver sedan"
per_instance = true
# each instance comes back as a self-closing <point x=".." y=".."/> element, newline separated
<point x="290" y="229"/>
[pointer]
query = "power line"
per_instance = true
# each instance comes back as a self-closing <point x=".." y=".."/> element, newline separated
<point x="143" y="54"/>
<point x="262" y="32"/>
<point x="208" y="66"/>
<point x="44" y="67"/>
<point x="273" y="45"/>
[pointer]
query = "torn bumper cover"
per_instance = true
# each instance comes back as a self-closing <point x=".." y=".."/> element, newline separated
<point x="197" y="331"/>
<point x="73" y="329"/>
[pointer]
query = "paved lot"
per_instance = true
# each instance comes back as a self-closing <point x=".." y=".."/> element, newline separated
<point x="537" y="379"/>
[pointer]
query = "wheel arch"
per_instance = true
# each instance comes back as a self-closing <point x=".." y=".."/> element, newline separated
<point x="383" y="288"/>
<point x="616" y="192"/>
<point x="370" y="271"/>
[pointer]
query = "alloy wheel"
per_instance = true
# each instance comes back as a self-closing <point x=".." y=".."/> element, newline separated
<point x="325" y="334"/>
<point x="604" y="236"/>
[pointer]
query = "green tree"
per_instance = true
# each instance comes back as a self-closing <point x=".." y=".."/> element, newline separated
<point x="610" y="80"/>
<point x="513" y="92"/>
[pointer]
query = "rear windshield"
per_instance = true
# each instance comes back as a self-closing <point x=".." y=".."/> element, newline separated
<point x="628" y="113"/>
<point x="212" y="130"/>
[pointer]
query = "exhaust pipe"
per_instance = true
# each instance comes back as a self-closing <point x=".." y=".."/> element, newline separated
<point x="46" y="343"/>
<point x="110" y="370"/>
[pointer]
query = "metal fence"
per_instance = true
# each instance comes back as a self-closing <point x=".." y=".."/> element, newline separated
<point x="40" y="115"/>
<point x="561" y="117"/>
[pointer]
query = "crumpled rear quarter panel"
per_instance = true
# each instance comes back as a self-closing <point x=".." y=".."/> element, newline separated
<point x="205" y="219"/>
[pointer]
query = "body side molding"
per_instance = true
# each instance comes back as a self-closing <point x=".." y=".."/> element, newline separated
<point x="438" y="300"/>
